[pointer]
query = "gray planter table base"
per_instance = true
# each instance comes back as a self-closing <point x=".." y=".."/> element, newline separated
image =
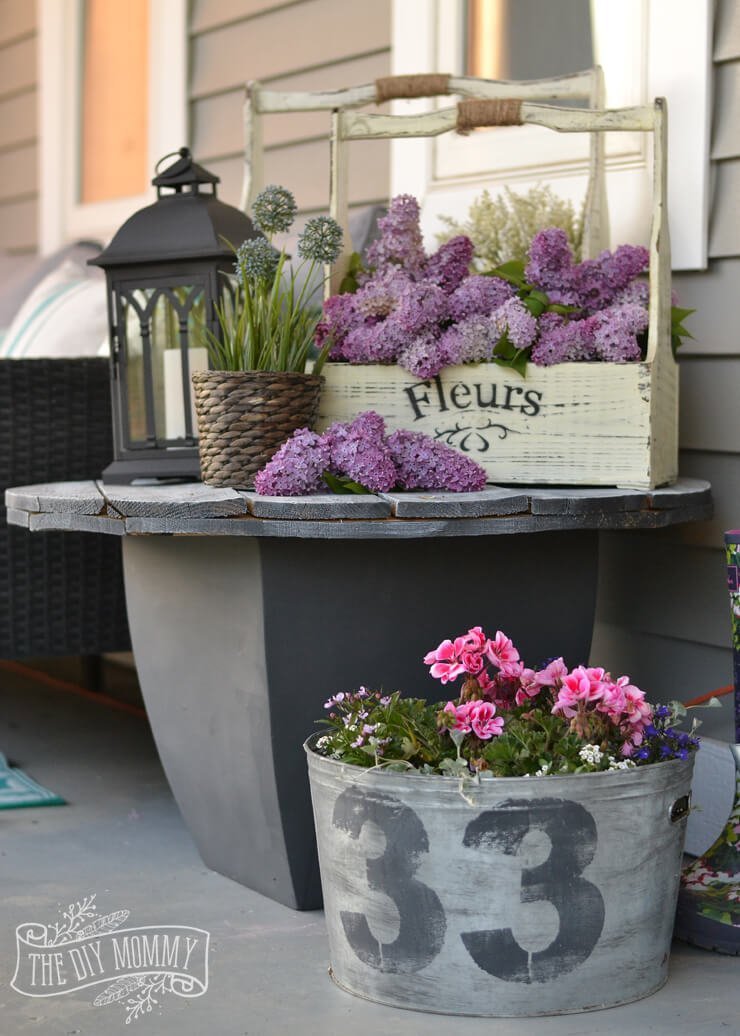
<point x="247" y="613"/>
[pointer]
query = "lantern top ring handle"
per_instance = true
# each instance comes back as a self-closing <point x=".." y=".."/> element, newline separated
<point x="183" y="152"/>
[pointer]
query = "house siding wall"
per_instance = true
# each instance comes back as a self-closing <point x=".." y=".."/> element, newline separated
<point x="663" y="606"/>
<point x="304" y="45"/>
<point x="18" y="127"/>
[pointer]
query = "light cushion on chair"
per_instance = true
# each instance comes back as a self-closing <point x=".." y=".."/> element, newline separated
<point x="64" y="316"/>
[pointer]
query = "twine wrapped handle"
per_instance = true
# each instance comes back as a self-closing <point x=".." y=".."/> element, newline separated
<point x="391" y="88"/>
<point x="474" y="112"/>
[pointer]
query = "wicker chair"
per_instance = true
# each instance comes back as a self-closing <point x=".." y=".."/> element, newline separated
<point x="62" y="592"/>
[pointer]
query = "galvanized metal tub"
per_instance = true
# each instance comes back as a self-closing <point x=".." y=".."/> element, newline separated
<point x="510" y="897"/>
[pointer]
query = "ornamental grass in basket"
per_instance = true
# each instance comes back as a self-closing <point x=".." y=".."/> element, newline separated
<point x="258" y="391"/>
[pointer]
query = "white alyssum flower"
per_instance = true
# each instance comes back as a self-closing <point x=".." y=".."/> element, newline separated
<point x="620" y="764"/>
<point x="591" y="754"/>
<point x="543" y="771"/>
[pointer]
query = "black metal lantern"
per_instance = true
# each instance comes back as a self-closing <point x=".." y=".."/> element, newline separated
<point x="166" y="270"/>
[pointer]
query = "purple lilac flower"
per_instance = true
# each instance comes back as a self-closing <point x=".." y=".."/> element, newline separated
<point x="400" y="240"/>
<point x="470" y="341"/>
<point x="359" y="451"/>
<point x="297" y="467"/>
<point x="479" y="295"/>
<point x="338" y="318"/>
<point x="550" y="265"/>
<point x="562" y="341"/>
<point x="423" y="463"/>
<point x="637" y="292"/>
<point x="427" y="354"/>
<point x="515" y="321"/>
<point x="598" y="282"/>
<point x="615" y="331"/>
<point x="449" y="265"/>
<point x="379" y="296"/>
<point x="374" y="342"/>
<point x="420" y="307"/>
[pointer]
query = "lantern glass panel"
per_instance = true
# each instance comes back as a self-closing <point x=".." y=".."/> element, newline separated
<point x="163" y="346"/>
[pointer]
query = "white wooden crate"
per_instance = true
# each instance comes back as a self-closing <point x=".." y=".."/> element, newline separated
<point x="571" y="424"/>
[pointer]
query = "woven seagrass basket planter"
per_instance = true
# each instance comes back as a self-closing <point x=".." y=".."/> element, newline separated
<point x="245" y="416"/>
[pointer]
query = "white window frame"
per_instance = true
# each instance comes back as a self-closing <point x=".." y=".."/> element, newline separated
<point x="62" y="217"/>
<point x="647" y="48"/>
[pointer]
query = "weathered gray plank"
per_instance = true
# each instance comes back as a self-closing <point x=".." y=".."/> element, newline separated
<point x="18" y="119"/>
<point x="57" y="497"/>
<point x="188" y="500"/>
<point x="584" y="501"/>
<point x="724" y="227"/>
<point x="17" y="18"/>
<point x="77" y="522"/>
<point x="486" y="503"/>
<point x="287" y="39"/>
<point x="217" y="126"/>
<point x="320" y="506"/>
<point x="709" y="414"/>
<point x="18" y="226"/>
<point x="683" y="491"/>
<point x="18" y="66"/>
<point x="14" y="517"/>
<point x="18" y="172"/>
<point x="712" y="294"/>
<point x="726" y="127"/>
<point x="727" y="30"/>
<point x="304" y="169"/>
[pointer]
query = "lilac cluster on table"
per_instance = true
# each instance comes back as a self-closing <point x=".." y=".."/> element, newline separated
<point x="361" y="451"/>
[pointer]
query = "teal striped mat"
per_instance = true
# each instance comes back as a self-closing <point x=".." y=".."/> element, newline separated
<point x="17" y="789"/>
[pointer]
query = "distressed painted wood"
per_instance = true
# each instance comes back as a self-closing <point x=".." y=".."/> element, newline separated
<point x="190" y="501"/>
<point x="263" y="100"/>
<point x="573" y="424"/>
<point x="174" y="510"/>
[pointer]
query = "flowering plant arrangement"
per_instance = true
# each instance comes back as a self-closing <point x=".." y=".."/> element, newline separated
<point x="508" y="720"/>
<point x="428" y="312"/>
<point x="268" y="319"/>
<point x="358" y="457"/>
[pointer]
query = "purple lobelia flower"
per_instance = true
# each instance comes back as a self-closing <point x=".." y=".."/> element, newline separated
<point x="359" y="451"/>
<point x="400" y="241"/>
<point x="422" y="463"/>
<point x="297" y="467"/>
<point x="449" y="265"/>
<point x="480" y="295"/>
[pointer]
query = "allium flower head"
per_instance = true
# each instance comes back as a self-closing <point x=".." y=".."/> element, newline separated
<point x="256" y="259"/>
<point x="321" y="240"/>
<point x="274" y="209"/>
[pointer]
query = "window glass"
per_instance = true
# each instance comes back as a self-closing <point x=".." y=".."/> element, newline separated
<point x="527" y="39"/>
<point x="114" y="100"/>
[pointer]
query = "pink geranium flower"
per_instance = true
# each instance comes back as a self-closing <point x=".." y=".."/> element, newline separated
<point x="444" y="662"/>
<point x="484" y="721"/>
<point x="580" y="685"/>
<point x="501" y="651"/>
<point x="463" y="719"/>
<point x="553" y="674"/>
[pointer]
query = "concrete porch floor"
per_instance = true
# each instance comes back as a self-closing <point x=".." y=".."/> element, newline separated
<point x="121" y="837"/>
